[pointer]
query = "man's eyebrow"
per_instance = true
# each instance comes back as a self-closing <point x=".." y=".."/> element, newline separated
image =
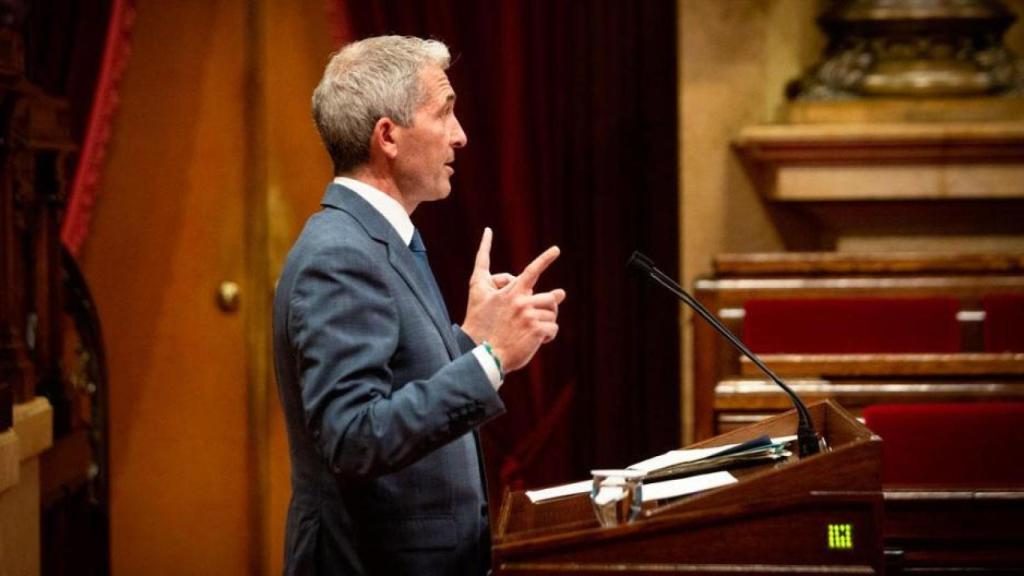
<point x="449" y="103"/>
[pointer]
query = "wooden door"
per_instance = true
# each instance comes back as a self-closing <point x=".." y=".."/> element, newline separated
<point x="167" y="230"/>
<point x="212" y="166"/>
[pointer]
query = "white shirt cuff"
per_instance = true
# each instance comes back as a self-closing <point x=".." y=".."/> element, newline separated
<point x="489" y="365"/>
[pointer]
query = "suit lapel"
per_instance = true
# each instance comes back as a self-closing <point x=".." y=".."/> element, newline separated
<point x="399" y="255"/>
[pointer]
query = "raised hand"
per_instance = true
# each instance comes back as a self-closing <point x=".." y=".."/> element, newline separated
<point x="503" y="309"/>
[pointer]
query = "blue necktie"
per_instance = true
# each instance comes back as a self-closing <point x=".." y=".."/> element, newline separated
<point x="472" y="455"/>
<point x="420" y="252"/>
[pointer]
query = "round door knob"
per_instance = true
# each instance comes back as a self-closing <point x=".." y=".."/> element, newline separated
<point x="228" y="296"/>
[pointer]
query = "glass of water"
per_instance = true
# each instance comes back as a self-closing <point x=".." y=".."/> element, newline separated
<point x="617" y="495"/>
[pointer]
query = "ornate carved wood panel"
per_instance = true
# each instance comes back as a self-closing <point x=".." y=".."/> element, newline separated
<point x="50" y="343"/>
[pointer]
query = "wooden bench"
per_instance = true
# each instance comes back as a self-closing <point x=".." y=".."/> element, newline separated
<point x="860" y="329"/>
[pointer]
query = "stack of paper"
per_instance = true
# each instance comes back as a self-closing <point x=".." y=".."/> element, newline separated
<point x="687" y="466"/>
<point x="763" y="450"/>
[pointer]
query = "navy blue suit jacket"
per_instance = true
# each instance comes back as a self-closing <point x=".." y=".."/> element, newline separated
<point x="381" y="400"/>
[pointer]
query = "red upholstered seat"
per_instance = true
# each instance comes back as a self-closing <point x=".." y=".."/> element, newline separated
<point x="950" y="444"/>
<point x="1004" y="322"/>
<point x="852" y="325"/>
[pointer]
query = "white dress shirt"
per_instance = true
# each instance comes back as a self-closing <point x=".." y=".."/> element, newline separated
<point x="393" y="211"/>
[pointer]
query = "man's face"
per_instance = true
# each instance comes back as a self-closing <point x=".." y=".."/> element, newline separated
<point x="427" y="148"/>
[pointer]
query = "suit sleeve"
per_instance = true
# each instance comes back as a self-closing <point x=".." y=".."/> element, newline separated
<point x="465" y="343"/>
<point x="344" y="326"/>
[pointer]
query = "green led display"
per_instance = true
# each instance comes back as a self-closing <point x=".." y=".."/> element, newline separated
<point x="840" y="536"/>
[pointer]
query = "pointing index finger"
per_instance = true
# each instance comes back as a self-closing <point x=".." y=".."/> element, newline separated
<point x="483" y="254"/>
<point x="534" y="269"/>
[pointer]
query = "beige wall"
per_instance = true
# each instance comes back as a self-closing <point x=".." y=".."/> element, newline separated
<point x="735" y="58"/>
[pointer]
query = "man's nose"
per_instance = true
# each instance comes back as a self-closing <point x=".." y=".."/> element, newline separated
<point x="459" y="138"/>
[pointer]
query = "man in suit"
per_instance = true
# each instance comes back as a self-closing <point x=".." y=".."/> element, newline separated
<point x="382" y="394"/>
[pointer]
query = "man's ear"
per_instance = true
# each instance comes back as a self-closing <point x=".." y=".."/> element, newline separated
<point x="384" y="137"/>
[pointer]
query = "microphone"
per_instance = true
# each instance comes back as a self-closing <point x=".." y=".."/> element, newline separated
<point x="808" y="441"/>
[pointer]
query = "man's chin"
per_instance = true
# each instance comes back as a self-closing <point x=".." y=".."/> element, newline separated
<point x="438" y="193"/>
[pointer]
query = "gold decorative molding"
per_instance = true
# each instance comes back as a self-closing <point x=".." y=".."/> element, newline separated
<point x="783" y="264"/>
<point x="900" y="110"/>
<point x="860" y="365"/>
<point x="896" y="161"/>
<point x="737" y="395"/>
<point x="913" y="48"/>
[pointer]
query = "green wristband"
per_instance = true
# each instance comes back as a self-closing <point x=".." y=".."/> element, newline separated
<point x="501" y="371"/>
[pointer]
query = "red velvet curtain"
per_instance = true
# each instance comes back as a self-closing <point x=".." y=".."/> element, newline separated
<point x="570" y="108"/>
<point x="87" y="46"/>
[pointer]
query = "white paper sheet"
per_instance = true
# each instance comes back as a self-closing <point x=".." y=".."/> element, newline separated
<point x="684" y="486"/>
<point x="581" y="487"/>
<point x="673" y="457"/>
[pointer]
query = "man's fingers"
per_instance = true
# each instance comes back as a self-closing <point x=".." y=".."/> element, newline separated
<point x="545" y="315"/>
<point x="548" y="300"/>
<point x="534" y="269"/>
<point x="550" y="331"/>
<point x="501" y="280"/>
<point x="559" y="295"/>
<point x="483" y="254"/>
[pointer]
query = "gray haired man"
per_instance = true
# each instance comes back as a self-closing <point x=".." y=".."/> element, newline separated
<point x="382" y="394"/>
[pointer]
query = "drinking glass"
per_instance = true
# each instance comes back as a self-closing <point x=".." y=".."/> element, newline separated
<point x="617" y="495"/>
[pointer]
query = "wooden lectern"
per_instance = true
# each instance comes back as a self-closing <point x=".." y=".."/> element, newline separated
<point x="818" y="515"/>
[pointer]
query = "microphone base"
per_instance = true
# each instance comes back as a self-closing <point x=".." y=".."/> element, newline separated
<point x="809" y="443"/>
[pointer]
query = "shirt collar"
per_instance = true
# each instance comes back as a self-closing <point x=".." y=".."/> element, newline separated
<point x="389" y="208"/>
